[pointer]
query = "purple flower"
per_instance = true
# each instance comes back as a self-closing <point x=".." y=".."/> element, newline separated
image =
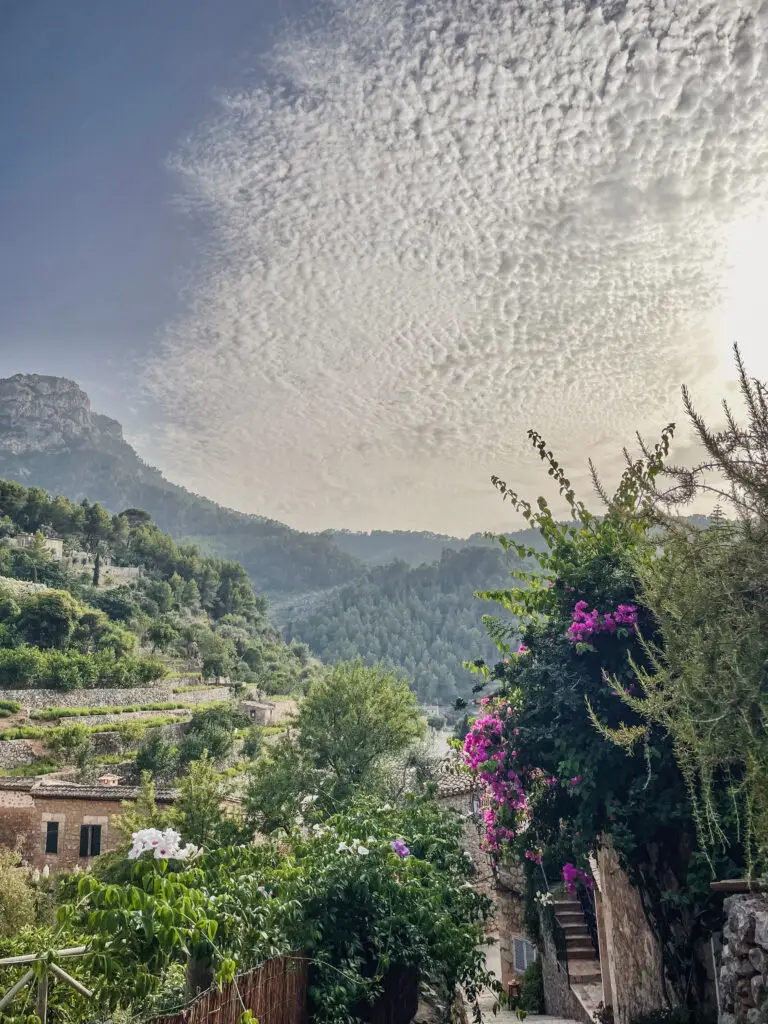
<point x="575" y="780"/>
<point x="399" y="847"/>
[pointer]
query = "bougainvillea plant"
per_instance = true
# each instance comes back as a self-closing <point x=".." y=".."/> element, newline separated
<point x="577" y="609"/>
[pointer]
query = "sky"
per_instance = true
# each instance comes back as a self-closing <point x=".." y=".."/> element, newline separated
<point x="329" y="261"/>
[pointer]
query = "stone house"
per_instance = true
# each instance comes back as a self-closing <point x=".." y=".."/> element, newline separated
<point x="504" y="884"/>
<point x="60" y="823"/>
<point x="260" y="712"/>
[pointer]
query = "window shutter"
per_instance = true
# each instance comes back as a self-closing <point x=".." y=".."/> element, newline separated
<point x="95" y="840"/>
<point x="525" y="954"/>
<point x="84" y="830"/>
<point x="52" y="837"/>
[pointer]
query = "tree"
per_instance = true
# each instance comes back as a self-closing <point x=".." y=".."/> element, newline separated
<point x="162" y="634"/>
<point x="354" y="717"/>
<point x="97" y="525"/>
<point x="198" y="813"/>
<point x="17" y="900"/>
<point x="136" y="517"/>
<point x="212" y="740"/>
<point x="159" y="757"/>
<point x="49" y="618"/>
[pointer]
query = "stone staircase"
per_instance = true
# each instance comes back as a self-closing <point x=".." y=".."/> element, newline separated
<point x="583" y="964"/>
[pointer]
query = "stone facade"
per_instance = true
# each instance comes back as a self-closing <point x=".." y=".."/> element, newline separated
<point x="27" y="807"/>
<point x="744" y="965"/>
<point x="559" y="999"/>
<point x="504" y="886"/>
<point x="631" y="951"/>
<point x="16" y="754"/>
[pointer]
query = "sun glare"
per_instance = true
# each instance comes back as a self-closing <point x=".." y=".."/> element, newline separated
<point x="745" y="307"/>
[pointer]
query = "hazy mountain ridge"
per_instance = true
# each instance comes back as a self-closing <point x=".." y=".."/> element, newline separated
<point x="402" y="597"/>
<point x="71" y="450"/>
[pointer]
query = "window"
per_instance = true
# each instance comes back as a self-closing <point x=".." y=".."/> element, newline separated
<point x="52" y="837"/>
<point x="525" y="954"/>
<point x="90" y="840"/>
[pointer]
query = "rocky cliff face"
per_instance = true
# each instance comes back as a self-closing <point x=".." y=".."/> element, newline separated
<point x="49" y="414"/>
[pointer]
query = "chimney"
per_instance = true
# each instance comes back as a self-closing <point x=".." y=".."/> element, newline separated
<point x="109" y="780"/>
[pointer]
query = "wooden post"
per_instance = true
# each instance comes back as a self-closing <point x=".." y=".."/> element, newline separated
<point x="42" y="995"/>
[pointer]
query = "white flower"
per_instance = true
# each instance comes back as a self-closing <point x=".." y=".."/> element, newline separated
<point x="35" y="876"/>
<point x="341" y="847"/>
<point x="164" y="845"/>
<point x="299" y="819"/>
<point x="386" y="807"/>
<point x="362" y="850"/>
<point x="46" y="871"/>
<point x="307" y="801"/>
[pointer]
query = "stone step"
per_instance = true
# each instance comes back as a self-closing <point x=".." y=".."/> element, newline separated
<point x="575" y="928"/>
<point x="585" y="972"/>
<point x="581" y="952"/>
<point x="569" y="917"/>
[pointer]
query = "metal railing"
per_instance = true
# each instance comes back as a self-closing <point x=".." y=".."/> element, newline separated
<point x="587" y="904"/>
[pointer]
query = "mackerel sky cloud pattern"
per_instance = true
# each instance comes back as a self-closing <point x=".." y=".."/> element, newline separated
<point x="436" y="224"/>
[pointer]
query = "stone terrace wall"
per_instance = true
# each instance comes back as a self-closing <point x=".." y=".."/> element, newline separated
<point x="36" y="700"/>
<point x="559" y="999"/>
<point x="16" y="754"/>
<point x="744" y="965"/>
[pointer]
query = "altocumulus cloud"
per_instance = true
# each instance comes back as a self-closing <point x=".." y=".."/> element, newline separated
<point x="435" y="224"/>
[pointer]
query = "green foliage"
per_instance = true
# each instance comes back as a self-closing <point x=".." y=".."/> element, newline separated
<point x="704" y="677"/>
<point x="557" y="689"/>
<point x="29" y="668"/>
<point x="352" y="718"/>
<point x="532" y="989"/>
<point x="17" y="900"/>
<point x="159" y="757"/>
<point x="338" y="891"/>
<point x="55" y="713"/>
<point x="422" y="621"/>
<point x="198" y="813"/>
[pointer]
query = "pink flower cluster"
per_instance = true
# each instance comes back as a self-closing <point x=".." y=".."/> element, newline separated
<point x="573" y="875"/>
<point x="484" y="753"/>
<point x="534" y="855"/>
<point x="586" y="623"/>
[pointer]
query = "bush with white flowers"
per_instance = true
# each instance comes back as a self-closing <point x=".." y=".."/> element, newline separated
<point x="163" y="845"/>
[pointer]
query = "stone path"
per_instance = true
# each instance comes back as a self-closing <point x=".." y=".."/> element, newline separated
<point x="502" y="1016"/>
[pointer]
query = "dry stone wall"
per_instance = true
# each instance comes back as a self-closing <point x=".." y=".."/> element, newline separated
<point x="744" y="964"/>
<point x="16" y="754"/>
<point x="36" y="700"/>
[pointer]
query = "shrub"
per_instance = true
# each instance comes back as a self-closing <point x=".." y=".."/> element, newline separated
<point x="17" y="901"/>
<point x="532" y="989"/>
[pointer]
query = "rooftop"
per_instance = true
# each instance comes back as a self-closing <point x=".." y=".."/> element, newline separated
<point x="51" y="789"/>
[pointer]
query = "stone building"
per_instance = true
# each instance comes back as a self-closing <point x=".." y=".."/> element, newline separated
<point x="261" y="712"/>
<point x="62" y="824"/>
<point x="504" y="885"/>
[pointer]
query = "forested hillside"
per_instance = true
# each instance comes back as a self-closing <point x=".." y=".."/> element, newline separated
<point x="425" y="621"/>
<point x="78" y="633"/>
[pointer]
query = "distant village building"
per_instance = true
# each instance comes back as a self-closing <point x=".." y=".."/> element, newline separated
<point x="53" y="545"/>
<point x="63" y="824"/>
<point x="259" y="712"/>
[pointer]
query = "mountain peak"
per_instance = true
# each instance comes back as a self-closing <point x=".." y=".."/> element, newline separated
<point x="48" y="414"/>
